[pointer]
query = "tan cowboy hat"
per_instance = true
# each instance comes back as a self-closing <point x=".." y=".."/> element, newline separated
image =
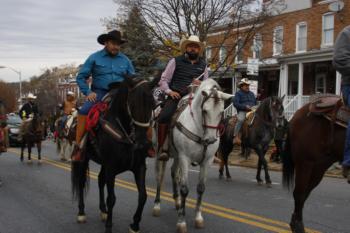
<point x="191" y="40"/>
<point x="244" y="81"/>
<point x="31" y="96"/>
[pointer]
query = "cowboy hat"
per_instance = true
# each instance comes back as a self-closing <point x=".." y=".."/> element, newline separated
<point x="244" y="81"/>
<point x="31" y="96"/>
<point x="114" y="35"/>
<point x="191" y="40"/>
<point x="70" y="93"/>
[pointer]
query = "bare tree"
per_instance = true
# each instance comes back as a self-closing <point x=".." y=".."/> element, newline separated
<point x="171" y="20"/>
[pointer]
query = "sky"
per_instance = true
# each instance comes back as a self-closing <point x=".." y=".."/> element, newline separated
<point x="35" y="35"/>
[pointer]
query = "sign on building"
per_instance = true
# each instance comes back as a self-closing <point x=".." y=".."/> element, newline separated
<point x="253" y="67"/>
<point x="253" y="87"/>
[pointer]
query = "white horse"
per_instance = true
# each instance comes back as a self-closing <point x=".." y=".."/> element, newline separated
<point x="66" y="136"/>
<point x="194" y="139"/>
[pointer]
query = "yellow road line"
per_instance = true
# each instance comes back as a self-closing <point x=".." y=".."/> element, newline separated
<point x="206" y="207"/>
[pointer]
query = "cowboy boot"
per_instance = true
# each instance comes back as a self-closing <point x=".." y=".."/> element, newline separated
<point x="76" y="154"/>
<point x="162" y="142"/>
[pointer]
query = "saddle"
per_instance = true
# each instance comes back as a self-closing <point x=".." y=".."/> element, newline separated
<point x="331" y="107"/>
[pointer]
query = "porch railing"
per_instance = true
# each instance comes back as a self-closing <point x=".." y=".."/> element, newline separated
<point x="293" y="103"/>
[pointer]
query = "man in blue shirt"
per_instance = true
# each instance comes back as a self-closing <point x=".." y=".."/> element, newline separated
<point x="243" y="101"/>
<point x="105" y="66"/>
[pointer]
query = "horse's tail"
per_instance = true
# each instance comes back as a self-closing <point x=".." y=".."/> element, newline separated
<point x="80" y="177"/>
<point x="288" y="165"/>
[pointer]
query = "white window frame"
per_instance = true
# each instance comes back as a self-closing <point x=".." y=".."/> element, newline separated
<point x="275" y="52"/>
<point x="323" y="44"/>
<point x="236" y="52"/>
<point x="221" y="58"/>
<point x="322" y="77"/>
<point x="208" y="53"/>
<point x="256" y="37"/>
<point x="297" y="37"/>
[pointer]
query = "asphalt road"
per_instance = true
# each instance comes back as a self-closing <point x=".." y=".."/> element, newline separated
<point x="37" y="199"/>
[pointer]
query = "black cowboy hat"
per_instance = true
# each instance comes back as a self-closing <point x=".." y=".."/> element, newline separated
<point x="112" y="35"/>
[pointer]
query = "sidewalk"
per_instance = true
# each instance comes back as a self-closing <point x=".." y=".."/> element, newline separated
<point x="236" y="160"/>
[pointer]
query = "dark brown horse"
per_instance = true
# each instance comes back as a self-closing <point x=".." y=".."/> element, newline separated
<point x="33" y="132"/>
<point x="312" y="146"/>
<point x="258" y="131"/>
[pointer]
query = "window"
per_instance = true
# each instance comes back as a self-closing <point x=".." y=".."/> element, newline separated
<point x="327" y="29"/>
<point x="301" y="38"/>
<point x="278" y="41"/>
<point x="239" y="51"/>
<point x="257" y="46"/>
<point x="208" y="53"/>
<point x="320" y="83"/>
<point x="222" y="54"/>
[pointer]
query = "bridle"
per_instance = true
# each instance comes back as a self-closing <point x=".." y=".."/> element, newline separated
<point x="133" y="121"/>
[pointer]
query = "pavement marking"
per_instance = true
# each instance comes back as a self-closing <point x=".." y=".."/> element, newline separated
<point x="213" y="209"/>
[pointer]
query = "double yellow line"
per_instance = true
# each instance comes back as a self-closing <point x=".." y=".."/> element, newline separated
<point x="220" y="211"/>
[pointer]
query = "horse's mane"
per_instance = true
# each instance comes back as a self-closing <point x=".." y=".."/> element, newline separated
<point x="264" y="108"/>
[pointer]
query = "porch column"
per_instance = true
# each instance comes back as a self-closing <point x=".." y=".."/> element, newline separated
<point x="338" y="83"/>
<point x="300" y="83"/>
<point x="283" y="81"/>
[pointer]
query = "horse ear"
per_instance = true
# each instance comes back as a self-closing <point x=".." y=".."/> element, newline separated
<point x="205" y="93"/>
<point x="224" y="95"/>
<point x="129" y="79"/>
<point x="153" y="83"/>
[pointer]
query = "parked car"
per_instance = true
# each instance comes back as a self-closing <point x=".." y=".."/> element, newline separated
<point x="13" y="123"/>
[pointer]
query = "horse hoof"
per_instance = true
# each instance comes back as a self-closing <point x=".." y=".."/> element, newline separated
<point x="156" y="210"/>
<point x="181" y="227"/>
<point x="221" y="176"/>
<point x="132" y="231"/>
<point x="199" y="223"/>
<point x="228" y="178"/>
<point x="81" y="219"/>
<point x="103" y="216"/>
<point x="260" y="182"/>
<point x="269" y="184"/>
<point x="29" y="161"/>
<point x="39" y="162"/>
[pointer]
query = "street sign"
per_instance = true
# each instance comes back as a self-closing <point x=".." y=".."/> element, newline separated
<point x="253" y="67"/>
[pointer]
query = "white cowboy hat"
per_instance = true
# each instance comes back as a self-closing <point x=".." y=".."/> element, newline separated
<point x="191" y="40"/>
<point x="244" y="81"/>
<point x="31" y="96"/>
<point x="70" y="93"/>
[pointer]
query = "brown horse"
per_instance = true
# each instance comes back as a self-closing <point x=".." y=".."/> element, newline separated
<point x="313" y="145"/>
<point x="33" y="133"/>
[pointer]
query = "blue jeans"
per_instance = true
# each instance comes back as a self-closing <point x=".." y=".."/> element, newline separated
<point x="240" y="120"/>
<point x="84" y="110"/>
<point x="346" y="97"/>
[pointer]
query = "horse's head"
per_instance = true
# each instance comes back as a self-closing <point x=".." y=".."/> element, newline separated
<point x="212" y="104"/>
<point x="136" y="103"/>
<point x="277" y="111"/>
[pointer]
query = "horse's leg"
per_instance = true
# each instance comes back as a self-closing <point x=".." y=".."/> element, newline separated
<point x="302" y="179"/>
<point x="199" y="222"/>
<point x="266" y="169"/>
<point x="140" y="177"/>
<point x="22" y="150"/>
<point x="181" y="222"/>
<point x="174" y="179"/>
<point x="260" y="161"/>
<point x="160" y="170"/>
<point x="29" y="146"/>
<point x="63" y="149"/>
<point x="38" y="144"/>
<point x="101" y="186"/>
<point x="110" y="199"/>
<point x="316" y="174"/>
<point x="225" y="158"/>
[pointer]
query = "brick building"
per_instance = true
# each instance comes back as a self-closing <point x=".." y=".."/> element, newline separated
<point x="295" y="49"/>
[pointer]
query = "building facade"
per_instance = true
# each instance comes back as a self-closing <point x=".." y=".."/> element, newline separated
<point x="295" y="50"/>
